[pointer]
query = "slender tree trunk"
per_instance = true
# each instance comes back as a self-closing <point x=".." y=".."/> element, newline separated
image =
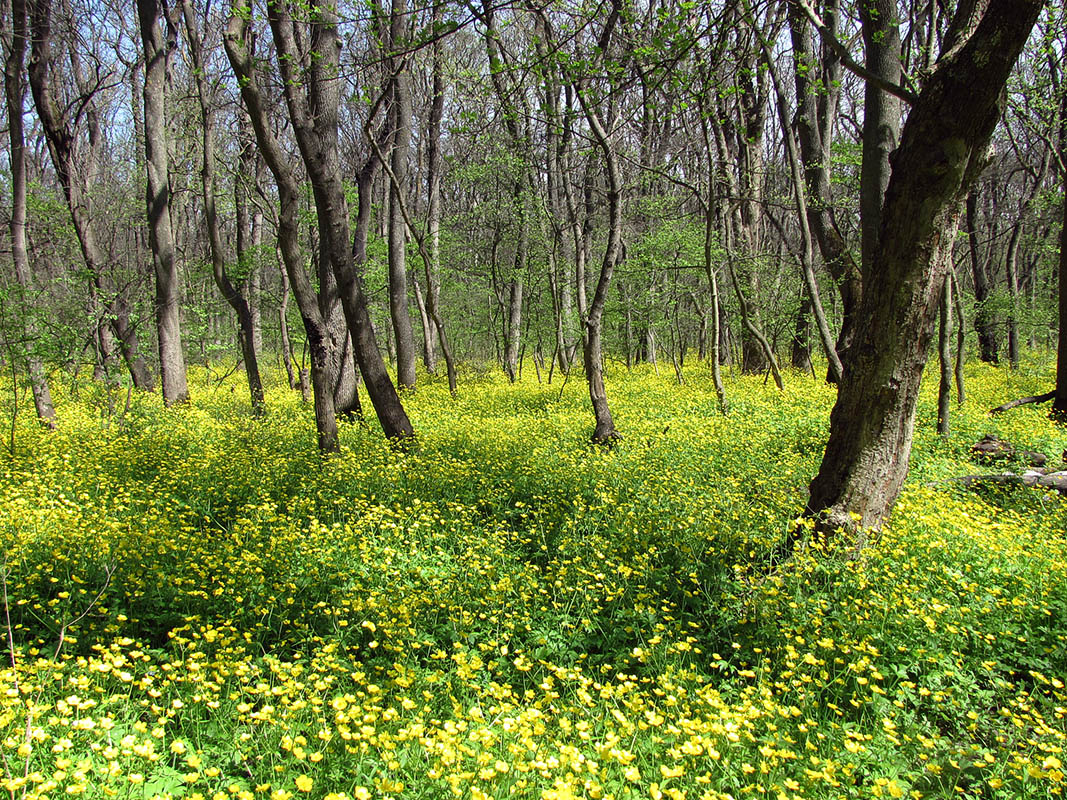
<point x="283" y="328"/>
<point x="983" y="318"/>
<point x="604" y="432"/>
<point x="15" y="94"/>
<point x="944" y="353"/>
<point x="400" y="115"/>
<point x="942" y="150"/>
<point x="1059" y="402"/>
<point x="161" y="234"/>
<point x="233" y="294"/>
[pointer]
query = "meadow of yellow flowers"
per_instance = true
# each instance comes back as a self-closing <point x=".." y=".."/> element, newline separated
<point x="196" y="606"/>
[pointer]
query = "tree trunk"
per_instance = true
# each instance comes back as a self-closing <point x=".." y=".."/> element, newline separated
<point x="942" y="150"/>
<point x="944" y="358"/>
<point x="604" y="432"/>
<point x="15" y="94"/>
<point x="983" y="318"/>
<point x="314" y="117"/>
<point x="161" y="235"/>
<point x="1059" y="402"/>
<point x="322" y="348"/>
<point x="233" y="294"/>
<point x="400" y="116"/>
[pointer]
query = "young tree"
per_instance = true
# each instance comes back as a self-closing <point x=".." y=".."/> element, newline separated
<point x="235" y="293"/>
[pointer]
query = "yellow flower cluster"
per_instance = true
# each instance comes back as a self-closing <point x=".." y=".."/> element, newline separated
<point x="201" y="608"/>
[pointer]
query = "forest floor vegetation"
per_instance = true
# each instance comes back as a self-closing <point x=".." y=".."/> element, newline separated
<point x="197" y="606"/>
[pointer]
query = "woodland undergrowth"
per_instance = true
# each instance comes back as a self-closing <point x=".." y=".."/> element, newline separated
<point x="197" y="606"/>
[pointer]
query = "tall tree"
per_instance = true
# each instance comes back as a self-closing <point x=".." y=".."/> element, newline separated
<point x="14" y="43"/>
<point x="312" y="97"/>
<point x="161" y="232"/>
<point x="943" y="149"/>
<point x="235" y="293"/>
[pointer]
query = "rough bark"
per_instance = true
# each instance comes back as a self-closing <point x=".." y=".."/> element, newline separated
<point x="943" y="147"/>
<point x="161" y="234"/>
<point x="15" y="95"/>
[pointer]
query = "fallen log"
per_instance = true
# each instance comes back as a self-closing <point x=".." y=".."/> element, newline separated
<point x="1022" y="401"/>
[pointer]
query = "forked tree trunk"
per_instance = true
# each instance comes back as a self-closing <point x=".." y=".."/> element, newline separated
<point x="161" y="234"/>
<point x="314" y="116"/>
<point x="322" y="347"/>
<point x="943" y="149"/>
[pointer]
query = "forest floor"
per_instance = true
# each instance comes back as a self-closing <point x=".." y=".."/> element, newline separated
<point x="201" y="608"/>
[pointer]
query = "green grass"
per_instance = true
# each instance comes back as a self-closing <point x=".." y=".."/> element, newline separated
<point x="202" y="608"/>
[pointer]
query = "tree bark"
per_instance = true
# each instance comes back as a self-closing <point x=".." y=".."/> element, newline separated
<point x="161" y="234"/>
<point x="604" y="432"/>
<point x="1059" y="403"/>
<point x="944" y="358"/>
<point x="321" y="343"/>
<point x="400" y="116"/>
<point x="943" y="149"/>
<point x="817" y="81"/>
<point x="15" y="95"/>
<point x="314" y="116"/>
<point x="983" y="318"/>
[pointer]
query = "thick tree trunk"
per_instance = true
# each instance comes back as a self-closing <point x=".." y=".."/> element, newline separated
<point x="161" y="235"/>
<point x="15" y="95"/>
<point x="942" y="150"/>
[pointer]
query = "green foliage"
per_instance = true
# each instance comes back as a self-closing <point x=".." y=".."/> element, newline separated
<point x="504" y="611"/>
